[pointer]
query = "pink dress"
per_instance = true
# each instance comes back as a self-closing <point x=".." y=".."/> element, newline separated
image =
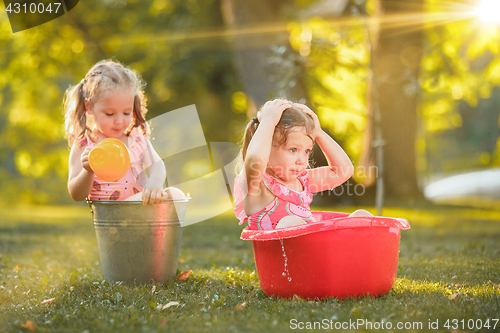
<point x="132" y="182"/>
<point x="287" y="202"/>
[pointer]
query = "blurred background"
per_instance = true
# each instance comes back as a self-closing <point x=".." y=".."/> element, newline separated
<point x="416" y="80"/>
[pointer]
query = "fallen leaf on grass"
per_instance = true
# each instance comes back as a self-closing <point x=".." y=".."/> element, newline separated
<point x="169" y="304"/>
<point x="48" y="301"/>
<point x="163" y="322"/>
<point x="153" y="290"/>
<point x="166" y="306"/>
<point x="453" y="277"/>
<point x="17" y="268"/>
<point x="493" y="283"/>
<point x="184" y="276"/>
<point x="454" y="296"/>
<point x="240" y="307"/>
<point x="29" y="325"/>
<point x="71" y="288"/>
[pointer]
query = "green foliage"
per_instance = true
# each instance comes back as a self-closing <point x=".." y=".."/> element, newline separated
<point x="460" y="74"/>
<point x="459" y="64"/>
<point x="337" y="59"/>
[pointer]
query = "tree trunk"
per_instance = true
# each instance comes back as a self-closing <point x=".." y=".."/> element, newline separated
<point x="259" y="25"/>
<point x="396" y="64"/>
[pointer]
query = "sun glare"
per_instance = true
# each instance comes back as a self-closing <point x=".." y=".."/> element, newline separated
<point x="489" y="11"/>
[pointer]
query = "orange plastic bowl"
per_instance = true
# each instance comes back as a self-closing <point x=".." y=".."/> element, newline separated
<point x="110" y="159"/>
<point x="339" y="257"/>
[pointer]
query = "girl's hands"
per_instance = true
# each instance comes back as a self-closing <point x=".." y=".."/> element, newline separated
<point x="153" y="195"/>
<point x="85" y="159"/>
<point x="317" y="126"/>
<point x="272" y="111"/>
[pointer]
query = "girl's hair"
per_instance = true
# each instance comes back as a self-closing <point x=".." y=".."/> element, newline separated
<point x="105" y="75"/>
<point x="291" y="118"/>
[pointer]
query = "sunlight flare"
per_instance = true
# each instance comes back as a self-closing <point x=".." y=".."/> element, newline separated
<point x="488" y="11"/>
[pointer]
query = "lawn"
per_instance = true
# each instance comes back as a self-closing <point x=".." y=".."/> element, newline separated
<point x="449" y="273"/>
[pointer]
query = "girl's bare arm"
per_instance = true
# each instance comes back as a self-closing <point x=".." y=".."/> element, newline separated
<point x="257" y="155"/>
<point x="153" y="190"/>
<point x="81" y="176"/>
<point x="339" y="167"/>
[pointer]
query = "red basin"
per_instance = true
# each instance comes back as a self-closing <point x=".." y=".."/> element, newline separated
<point x="338" y="257"/>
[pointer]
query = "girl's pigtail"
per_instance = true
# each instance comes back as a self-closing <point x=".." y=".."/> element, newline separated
<point x="138" y="118"/>
<point x="75" y="117"/>
<point x="247" y="137"/>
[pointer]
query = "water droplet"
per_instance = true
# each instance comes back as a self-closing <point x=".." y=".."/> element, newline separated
<point x="285" y="273"/>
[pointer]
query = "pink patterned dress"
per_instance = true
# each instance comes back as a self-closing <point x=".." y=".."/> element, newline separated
<point x="287" y="202"/>
<point x="132" y="182"/>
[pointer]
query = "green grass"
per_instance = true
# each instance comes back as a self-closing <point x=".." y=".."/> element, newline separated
<point x="446" y="261"/>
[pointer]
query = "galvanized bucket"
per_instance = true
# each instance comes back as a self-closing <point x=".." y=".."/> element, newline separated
<point x="138" y="243"/>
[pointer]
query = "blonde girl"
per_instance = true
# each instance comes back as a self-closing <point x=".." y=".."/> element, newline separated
<point x="275" y="187"/>
<point x="109" y="103"/>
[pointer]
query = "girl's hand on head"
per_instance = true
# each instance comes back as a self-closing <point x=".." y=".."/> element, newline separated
<point x="306" y="109"/>
<point x="85" y="159"/>
<point x="272" y="111"/>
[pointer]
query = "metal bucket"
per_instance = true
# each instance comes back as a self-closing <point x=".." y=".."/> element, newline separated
<point x="138" y="243"/>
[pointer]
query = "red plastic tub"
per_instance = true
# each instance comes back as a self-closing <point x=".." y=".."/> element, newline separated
<point x="338" y="257"/>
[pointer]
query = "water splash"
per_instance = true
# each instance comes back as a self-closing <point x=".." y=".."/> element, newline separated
<point x="285" y="272"/>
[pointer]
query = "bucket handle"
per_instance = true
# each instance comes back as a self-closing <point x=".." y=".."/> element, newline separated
<point x="90" y="206"/>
